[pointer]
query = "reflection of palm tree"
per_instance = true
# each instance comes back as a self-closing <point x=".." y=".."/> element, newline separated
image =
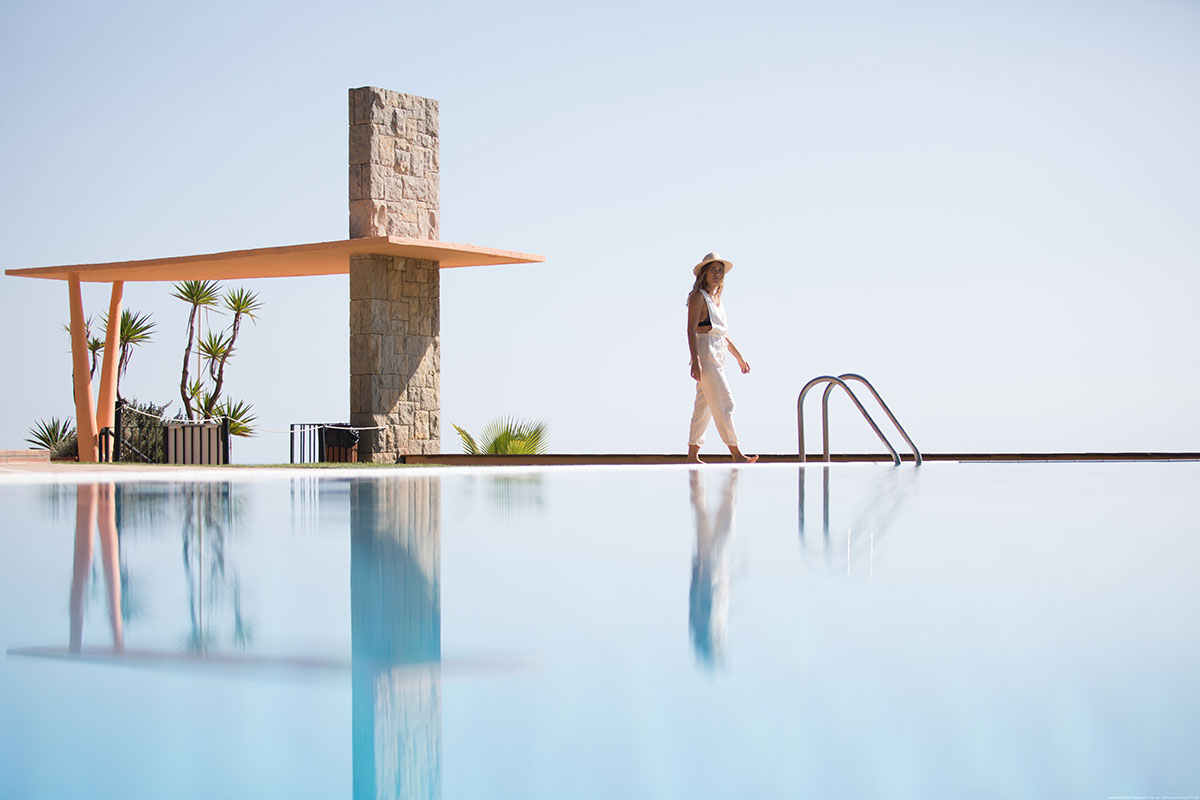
<point x="512" y="495"/>
<point x="708" y="606"/>
<point x="210" y="510"/>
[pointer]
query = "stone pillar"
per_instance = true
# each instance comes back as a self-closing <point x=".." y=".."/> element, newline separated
<point x="395" y="344"/>
<point x="395" y="356"/>
<point x="393" y="164"/>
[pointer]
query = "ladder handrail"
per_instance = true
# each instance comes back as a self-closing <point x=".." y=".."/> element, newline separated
<point x="825" y="416"/>
<point x="856" y="377"/>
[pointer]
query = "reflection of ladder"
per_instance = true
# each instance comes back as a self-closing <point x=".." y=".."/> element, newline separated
<point x="877" y="510"/>
<point x="841" y="381"/>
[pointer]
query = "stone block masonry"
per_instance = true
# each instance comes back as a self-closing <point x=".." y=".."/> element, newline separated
<point x="395" y="324"/>
<point x="395" y="356"/>
<point x="393" y="164"/>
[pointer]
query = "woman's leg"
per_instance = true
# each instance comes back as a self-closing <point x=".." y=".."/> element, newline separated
<point x="720" y="404"/>
<point x="701" y="416"/>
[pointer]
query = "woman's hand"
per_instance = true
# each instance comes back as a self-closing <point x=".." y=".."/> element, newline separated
<point x="744" y="364"/>
<point x="695" y="369"/>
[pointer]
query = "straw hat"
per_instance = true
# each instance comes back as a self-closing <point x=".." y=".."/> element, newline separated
<point x="710" y="258"/>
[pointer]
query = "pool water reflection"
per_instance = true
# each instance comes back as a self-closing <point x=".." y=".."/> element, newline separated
<point x="984" y="630"/>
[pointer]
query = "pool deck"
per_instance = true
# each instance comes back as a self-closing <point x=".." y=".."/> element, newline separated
<point x="459" y="459"/>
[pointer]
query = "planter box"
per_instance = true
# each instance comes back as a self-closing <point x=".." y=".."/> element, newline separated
<point x="203" y="443"/>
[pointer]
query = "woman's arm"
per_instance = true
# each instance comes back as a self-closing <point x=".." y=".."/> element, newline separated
<point x="743" y="363"/>
<point x="696" y="308"/>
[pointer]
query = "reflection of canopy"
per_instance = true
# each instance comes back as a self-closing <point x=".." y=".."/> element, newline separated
<point x="317" y="258"/>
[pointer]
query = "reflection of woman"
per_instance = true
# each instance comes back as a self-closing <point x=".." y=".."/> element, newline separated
<point x="708" y="339"/>
<point x="708" y="601"/>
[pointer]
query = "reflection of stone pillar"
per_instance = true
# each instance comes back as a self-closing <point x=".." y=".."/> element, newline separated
<point x="395" y="617"/>
<point x="395" y="347"/>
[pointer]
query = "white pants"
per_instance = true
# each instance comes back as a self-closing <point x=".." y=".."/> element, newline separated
<point x="714" y="401"/>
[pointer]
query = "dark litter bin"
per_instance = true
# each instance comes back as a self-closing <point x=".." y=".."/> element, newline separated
<point x="340" y="443"/>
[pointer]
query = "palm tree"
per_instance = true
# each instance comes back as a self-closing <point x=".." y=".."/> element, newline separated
<point x="506" y="436"/>
<point x="240" y="303"/>
<point x="94" y="344"/>
<point x="241" y="421"/>
<point x="197" y="294"/>
<point x="214" y="348"/>
<point x="136" y="330"/>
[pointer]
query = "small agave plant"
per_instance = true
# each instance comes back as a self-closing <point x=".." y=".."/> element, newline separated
<point x="506" y="436"/>
<point x="54" y="435"/>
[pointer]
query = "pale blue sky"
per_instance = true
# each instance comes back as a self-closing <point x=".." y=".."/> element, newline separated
<point x="990" y="209"/>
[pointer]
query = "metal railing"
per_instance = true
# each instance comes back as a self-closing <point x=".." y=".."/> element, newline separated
<point x="307" y="441"/>
<point x="138" y="436"/>
<point x="312" y="442"/>
<point x="840" y="380"/>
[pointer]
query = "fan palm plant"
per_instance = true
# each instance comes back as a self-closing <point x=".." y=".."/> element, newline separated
<point x="506" y="436"/>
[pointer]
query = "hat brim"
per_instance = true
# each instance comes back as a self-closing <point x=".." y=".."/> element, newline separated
<point x="728" y="265"/>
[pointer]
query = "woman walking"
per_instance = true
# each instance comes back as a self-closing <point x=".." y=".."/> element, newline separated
<point x="708" y="339"/>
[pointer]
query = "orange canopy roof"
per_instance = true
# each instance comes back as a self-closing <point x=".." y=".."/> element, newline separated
<point x="318" y="258"/>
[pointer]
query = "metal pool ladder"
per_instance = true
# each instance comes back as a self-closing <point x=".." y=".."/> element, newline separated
<point x="841" y="380"/>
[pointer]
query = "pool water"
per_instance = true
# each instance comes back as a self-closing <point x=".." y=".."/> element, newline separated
<point x="984" y="630"/>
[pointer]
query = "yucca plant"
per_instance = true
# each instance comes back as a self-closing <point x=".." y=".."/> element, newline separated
<point x="506" y="436"/>
<point x="197" y="294"/>
<point x="136" y="329"/>
<point x="240" y="303"/>
<point x="241" y="420"/>
<point x="214" y="348"/>
<point x="202" y="396"/>
<point x="94" y="344"/>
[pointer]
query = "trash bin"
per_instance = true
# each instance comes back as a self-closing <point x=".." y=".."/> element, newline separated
<point x="339" y="443"/>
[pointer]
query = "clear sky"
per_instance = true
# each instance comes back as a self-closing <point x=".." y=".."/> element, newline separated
<point x="992" y="210"/>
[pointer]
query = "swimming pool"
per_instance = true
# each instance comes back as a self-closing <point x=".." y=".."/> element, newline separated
<point x="985" y="630"/>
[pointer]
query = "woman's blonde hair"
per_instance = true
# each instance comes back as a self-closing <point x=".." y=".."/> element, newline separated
<point x="700" y="280"/>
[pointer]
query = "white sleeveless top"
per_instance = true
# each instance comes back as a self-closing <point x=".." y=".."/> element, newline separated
<point x="716" y="315"/>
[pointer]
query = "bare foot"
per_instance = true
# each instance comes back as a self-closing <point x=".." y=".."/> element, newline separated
<point x="693" y="456"/>
<point x="694" y="460"/>
<point x="739" y="457"/>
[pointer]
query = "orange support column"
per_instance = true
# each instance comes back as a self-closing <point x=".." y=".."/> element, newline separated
<point x="85" y="410"/>
<point x="107" y="401"/>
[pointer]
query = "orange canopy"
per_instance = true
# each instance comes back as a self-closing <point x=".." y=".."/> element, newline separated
<point x="318" y="258"/>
